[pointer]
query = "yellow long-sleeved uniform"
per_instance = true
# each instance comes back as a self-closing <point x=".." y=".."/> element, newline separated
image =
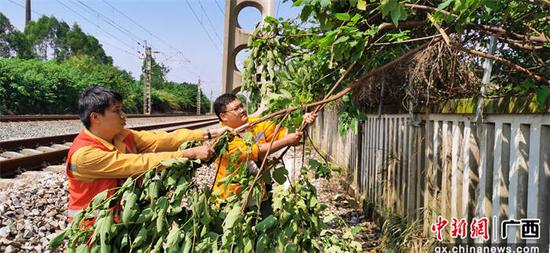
<point x="263" y="133"/>
<point x="89" y="163"/>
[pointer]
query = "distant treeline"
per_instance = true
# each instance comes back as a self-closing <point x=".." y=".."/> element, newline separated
<point x="44" y="69"/>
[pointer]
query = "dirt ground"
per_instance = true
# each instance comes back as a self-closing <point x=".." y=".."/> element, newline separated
<point x="339" y="202"/>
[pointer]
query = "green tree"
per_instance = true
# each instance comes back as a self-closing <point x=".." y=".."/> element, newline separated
<point x="76" y="42"/>
<point x="6" y="29"/>
<point x="46" y="35"/>
<point x="53" y="39"/>
<point x="12" y="42"/>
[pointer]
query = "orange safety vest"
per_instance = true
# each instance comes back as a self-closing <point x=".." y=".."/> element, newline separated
<point x="81" y="193"/>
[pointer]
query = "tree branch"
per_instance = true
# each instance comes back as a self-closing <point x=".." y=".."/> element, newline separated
<point x="542" y="38"/>
<point x="405" y="24"/>
<point x="493" y="29"/>
<point x="502" y="60"/>
<point x="343" y="92"/>
<point x="406" y="41"/>
<point x="506" y="62"/>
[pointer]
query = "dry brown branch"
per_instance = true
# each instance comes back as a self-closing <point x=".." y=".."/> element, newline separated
<point x="541" y="38"/>
<point x="506" y="62"/>
<point x="262" y="167"/>
<point x="406" y="41"/>
<point x="340" y="80"/>
<point x="405" y="24"/>
<point x="520" y="44"/>
<point x="441" y="31"/>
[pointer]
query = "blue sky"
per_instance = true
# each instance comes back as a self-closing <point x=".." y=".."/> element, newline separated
<point x="169" y="26"/>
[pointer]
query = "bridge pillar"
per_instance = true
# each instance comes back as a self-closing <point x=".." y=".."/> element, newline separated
<point x="236" y="39"/>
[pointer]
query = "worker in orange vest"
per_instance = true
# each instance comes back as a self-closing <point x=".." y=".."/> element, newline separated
<point x="105" y="153"/>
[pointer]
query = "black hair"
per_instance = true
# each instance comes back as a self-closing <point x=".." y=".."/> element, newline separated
<point x="221" y="103"/>
<point x="95" y="99"/>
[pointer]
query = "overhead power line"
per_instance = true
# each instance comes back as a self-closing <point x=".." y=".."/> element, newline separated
<point x="121" y="49"/>
<point x="100" y="28"/>
<point x="210" y="22"/>
<point x="219" y="8"/>
<point x="203" y="28"/>
<point x="179" y="52"/>
<point x="22" y="6"/>
<point x="110" y="22"/>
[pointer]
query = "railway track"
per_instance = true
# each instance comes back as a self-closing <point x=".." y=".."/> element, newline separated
<point x="34" y="153"/>
<point x="17" y="118"/>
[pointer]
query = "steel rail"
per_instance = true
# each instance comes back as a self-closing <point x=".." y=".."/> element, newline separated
<point x="48" y="140"/>
<point x="13" y="166"/>
<point x="17" y="118"/>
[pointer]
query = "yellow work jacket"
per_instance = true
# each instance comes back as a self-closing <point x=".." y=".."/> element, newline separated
<point x="263" y="133"/>
<point x="89" y="163"/>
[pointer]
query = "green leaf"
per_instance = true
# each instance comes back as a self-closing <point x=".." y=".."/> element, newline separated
<point x="268" y="19"/>
<point x="279" y="175"/>
<point x="444" y="5"/>
<point x="297" y="3"/>
<point x="542" y="96"/>
<point x="399" y="14"/>
<point x="314" y="163"/>
<point x="99" y="198"/>
<point x="248" y="138"/>
<point x="492" y="6"/>
<point x="232" y="217"/>
<point x="394" y="9"/>
<point x="58" y="239"/>
<point x="325" y="3"/>
<point x="342" y="16"/>
<point x="362" y="5"/>
<point x="262" y="243"/>
<point x="356" y="18"/>
<point x="356" y="229"/>
<point x="341" y="39"/>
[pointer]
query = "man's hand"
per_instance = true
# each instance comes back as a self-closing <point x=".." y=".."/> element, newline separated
<point x="309" y="118"/>
<point x="293" y="139"/>
<point x="202" y="153"/>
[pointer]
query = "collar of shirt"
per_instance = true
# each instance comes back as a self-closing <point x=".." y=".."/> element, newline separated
<point x="117" y="139"/>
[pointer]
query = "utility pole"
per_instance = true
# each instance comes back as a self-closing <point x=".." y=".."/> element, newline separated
<point x="147" y="83"/>
<point x="199" y="96"/>
<point x="27" y="12"/>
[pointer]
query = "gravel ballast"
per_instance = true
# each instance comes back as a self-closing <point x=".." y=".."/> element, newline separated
<point x="34" y="129"/>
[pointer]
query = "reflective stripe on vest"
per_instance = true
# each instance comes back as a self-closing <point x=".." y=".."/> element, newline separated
<point x="81" y="193"/>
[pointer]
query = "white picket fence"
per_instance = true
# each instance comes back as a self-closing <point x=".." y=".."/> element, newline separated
<point x="448" y="165"/>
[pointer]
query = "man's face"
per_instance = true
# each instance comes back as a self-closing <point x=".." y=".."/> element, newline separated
<point x="235" y="114"/>
<point x="112" y="121"/>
